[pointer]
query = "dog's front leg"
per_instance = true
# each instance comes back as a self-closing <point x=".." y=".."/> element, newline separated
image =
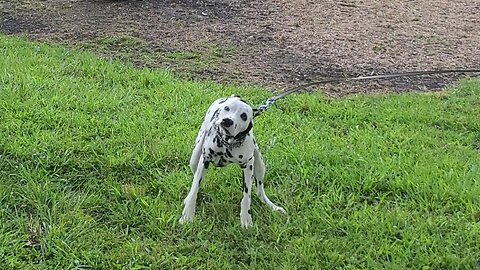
<point x="190" y="200"/>
<point x="245" y="217"/>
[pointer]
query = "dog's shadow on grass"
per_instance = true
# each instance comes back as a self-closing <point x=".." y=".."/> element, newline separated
<point x="213" y="208"/>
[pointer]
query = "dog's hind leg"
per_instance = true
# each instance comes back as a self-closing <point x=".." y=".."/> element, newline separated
<point x="190" y="200"/>
<point x="259" y="173"/>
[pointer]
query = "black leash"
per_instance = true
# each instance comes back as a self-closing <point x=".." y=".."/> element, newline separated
<point x="269" y="102"/>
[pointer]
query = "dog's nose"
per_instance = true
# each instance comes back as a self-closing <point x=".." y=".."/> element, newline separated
<point x="226" y="122"/>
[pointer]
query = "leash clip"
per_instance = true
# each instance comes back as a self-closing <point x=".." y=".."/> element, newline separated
<point x="260" y="109"/>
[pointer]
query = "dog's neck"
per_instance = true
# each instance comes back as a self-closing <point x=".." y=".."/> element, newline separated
<point x="231" y="142"/>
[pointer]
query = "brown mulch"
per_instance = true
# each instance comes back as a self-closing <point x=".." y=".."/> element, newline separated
<point x="272" y="43"/>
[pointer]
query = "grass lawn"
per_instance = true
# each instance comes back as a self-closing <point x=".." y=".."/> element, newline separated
<point x="94" y="166"/>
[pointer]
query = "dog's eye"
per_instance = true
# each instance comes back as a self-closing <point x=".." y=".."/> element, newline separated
<point x="243" y="116"/>
<point x="227" y="108"/>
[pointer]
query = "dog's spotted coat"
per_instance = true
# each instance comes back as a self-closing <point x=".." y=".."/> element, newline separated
<point x="226" y="137"/>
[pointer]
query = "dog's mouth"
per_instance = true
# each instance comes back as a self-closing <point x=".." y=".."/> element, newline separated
<point x="224" y="132"/>
<point x="228" y="136"/>
<point x="224" y="135"/>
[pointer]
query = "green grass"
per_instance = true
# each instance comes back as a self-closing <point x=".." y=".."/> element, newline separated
<point x="93" y="169"/>
<point x="185" y="62"/>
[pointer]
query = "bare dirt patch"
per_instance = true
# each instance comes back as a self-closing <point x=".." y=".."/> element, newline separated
<point x="273" y="43"/>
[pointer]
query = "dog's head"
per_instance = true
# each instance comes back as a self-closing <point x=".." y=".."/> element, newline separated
<point x="235" y="118"/>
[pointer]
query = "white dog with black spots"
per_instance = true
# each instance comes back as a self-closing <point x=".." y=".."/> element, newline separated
<point x="225" y="137"/>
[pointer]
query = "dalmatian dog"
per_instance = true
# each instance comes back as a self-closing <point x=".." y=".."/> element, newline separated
<point x="225" y="137"/>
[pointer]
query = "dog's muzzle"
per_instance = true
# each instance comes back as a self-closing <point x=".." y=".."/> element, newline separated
<point x="226" y="122"/>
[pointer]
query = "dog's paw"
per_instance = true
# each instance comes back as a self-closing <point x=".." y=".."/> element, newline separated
<point x="279" y="209"/>
<point x="187" y="215"/>
<point x="185" y="219"/>
<point x="246" y="220"/>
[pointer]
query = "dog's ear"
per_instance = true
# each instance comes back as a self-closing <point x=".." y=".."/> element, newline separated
<point x="237" y="96"/>
<point x="244" y="102"/>
<point x="256" y="112"/>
